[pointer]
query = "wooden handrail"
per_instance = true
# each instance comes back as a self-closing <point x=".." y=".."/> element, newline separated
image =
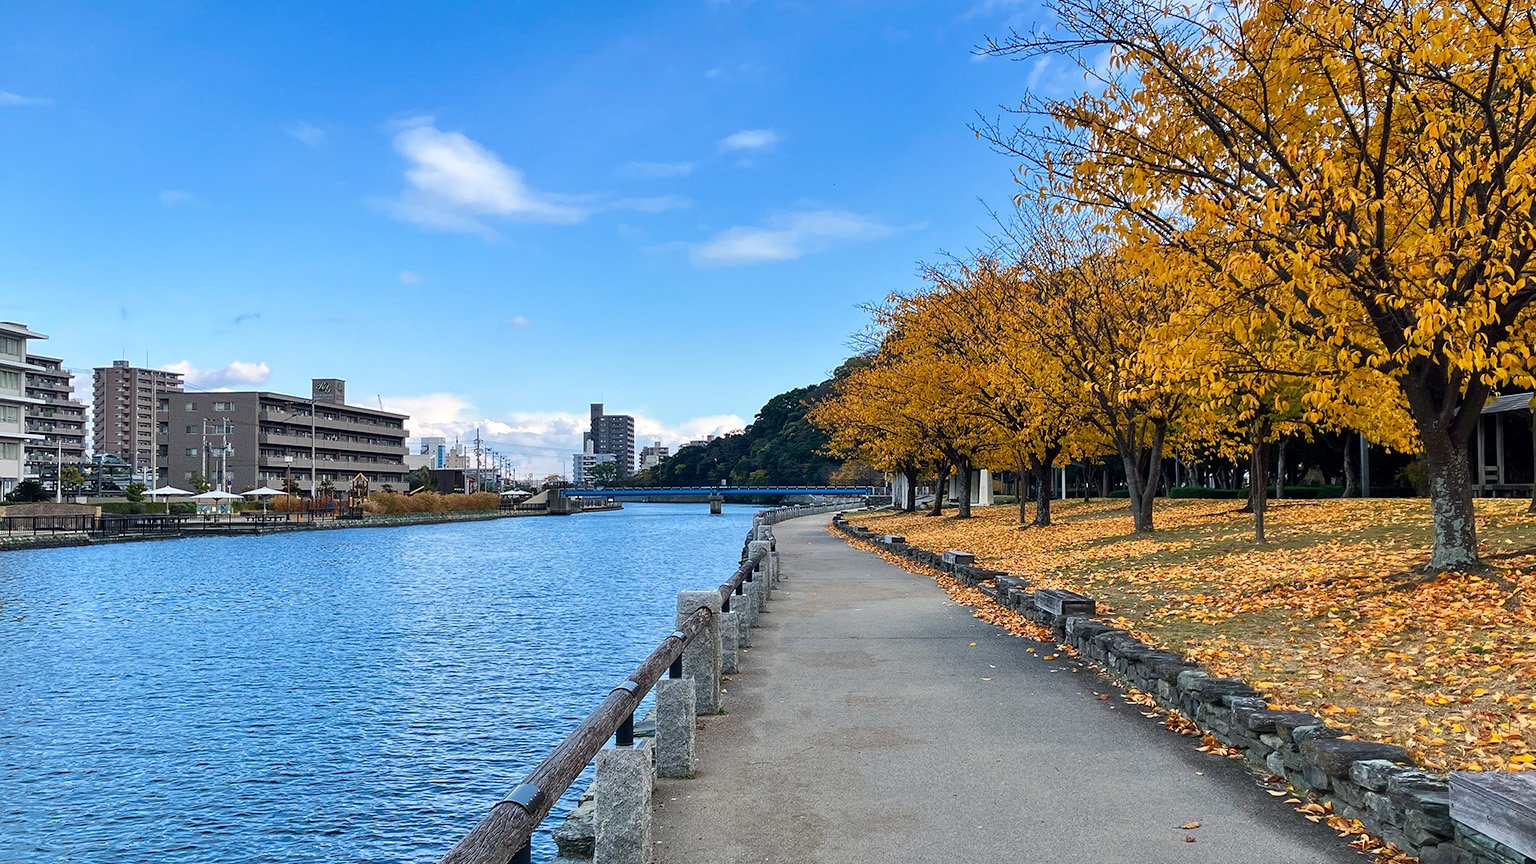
<point x="503" y="835"/>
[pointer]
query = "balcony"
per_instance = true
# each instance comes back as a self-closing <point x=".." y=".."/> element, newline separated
<point x="300" y="464"/>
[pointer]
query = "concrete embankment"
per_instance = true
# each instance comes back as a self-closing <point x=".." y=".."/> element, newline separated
<point x="50" y="540"/>
<point x="873" y="720"/>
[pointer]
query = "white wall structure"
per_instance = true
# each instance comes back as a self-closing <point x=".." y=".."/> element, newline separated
<point x="981" y="487"/>
<point x="14" y="402"/>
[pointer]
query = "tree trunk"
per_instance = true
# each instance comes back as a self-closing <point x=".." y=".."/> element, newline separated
<point x="909" y="502"/>
<point x="1258" y="467"/>
<point x="1532" y="508"/>
<point x="939" y="491"/>
<point x="1351" y="466"/>
<point x="964" y="505"/>
<point x="1280" y="469"/>
<point x="1043" y="495"/>
<point x="1022" y="488"/>
<point x="1444" y="435"/>
<point x="1104" y="480"/>
<point x="1143" y="473"/>
<point x="1450" y="501"/>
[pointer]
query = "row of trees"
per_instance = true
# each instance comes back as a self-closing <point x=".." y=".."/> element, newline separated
<point x="1263" y="219"/>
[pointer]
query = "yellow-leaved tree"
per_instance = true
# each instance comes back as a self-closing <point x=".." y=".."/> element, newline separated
<point x="1373" y="159"/>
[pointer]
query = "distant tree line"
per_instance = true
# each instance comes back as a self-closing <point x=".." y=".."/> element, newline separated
<point x="779" y="447"/>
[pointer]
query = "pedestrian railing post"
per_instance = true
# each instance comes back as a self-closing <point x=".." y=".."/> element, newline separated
<point x="676" y="721"/>
<point x="701" y="660"/>
<point x="622" y="821"/>
<point x="730" y="642"/>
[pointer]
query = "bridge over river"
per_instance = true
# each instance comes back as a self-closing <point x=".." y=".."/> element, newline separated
<point x="704" y="492"/>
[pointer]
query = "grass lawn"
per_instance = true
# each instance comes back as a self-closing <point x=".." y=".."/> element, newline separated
<point x="1327" y="617"/>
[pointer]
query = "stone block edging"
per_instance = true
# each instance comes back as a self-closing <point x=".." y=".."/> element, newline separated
<point x="1375" y="784"/>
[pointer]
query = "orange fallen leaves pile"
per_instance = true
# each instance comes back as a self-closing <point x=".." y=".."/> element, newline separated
<point x="1329" y="617"/>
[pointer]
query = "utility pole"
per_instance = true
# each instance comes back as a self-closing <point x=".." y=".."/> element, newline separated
<point x="203" y="465"/>
<point x="224" y="454"/>
<point x="58" y="473"/>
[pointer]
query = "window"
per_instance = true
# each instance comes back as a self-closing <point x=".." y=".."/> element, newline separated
<point x="192" y="451"/>
<point x="223" y="406"/>
<point x="10" y="380"/>
<point x="189" y="406"/>
<point x="191" y="429"/>
<point x="10" y="450"/>
<point x="10" y="414"/>
<point x="10" y="345"/>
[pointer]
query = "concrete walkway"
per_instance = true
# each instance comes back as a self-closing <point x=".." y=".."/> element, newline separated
<point x="865" y="728"/>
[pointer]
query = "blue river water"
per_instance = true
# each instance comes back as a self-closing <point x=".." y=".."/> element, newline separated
<point x="324" y="696"/>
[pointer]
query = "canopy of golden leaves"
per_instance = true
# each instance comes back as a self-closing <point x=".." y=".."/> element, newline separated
<point x="1330" y="617"/>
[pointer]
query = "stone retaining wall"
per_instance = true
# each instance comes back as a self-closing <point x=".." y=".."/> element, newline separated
<point x="1376" y="784"/>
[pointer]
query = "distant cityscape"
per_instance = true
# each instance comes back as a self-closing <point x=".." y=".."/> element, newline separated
<point x="610" y="441"/>
<point x="147" y="426"/>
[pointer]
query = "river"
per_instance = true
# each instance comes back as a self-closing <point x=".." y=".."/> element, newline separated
<point x="325" y="696"/>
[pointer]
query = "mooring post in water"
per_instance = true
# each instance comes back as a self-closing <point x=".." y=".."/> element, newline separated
<point x="622" y="821"/>
<point x="716" y="504"/>
<point x="701" y="660"/>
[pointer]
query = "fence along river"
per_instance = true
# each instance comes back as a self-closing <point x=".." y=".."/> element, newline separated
<point x="354" y="695"/>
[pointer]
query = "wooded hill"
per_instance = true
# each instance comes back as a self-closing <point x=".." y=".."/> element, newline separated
<point x="780" y="446"/>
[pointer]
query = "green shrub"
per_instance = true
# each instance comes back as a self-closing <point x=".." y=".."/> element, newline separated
<point x="1202" y="492"/>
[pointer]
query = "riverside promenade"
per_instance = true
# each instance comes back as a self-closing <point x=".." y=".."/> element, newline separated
<point x="866" y="727"/>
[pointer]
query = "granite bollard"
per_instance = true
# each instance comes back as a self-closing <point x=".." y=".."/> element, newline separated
<point x="701" y="659"/>
<point x="730" y="641"/>
<point x="622" y="821"/>
<point x="676" y="722"/>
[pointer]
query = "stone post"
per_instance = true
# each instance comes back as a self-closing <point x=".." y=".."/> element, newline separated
<point x="761" y="574"/>
<point x="730" y="641"/>
<point x="676" y="721"/>
<point x="778" y="574"/>
<point x="701" y="660"/>
<point x="742" y="605"/>
<point x="622" y="822"/>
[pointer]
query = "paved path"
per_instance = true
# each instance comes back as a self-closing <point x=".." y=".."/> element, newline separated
<point x="864" y="728"/>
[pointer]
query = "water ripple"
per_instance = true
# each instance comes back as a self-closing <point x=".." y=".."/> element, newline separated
<point x="358" y="695"/>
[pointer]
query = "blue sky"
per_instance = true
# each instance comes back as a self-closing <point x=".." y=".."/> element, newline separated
<point x="490" y="213"/>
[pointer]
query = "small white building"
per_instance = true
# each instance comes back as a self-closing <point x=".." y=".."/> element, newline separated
<point x="14" y="402"/>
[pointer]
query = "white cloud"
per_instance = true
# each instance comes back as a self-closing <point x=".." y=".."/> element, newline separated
<point x="990" y="8"/>
<point x="785" y="237"/>
<point x="540" y="442"/>
<point x="453" y="182"/>
<point x="657" y="170"/>
<point x="18" y="100"/>
<point x="175" y="197"/>
<point x="518" y="321"/>
<point x="749" y="139"/>
<point x="409" y="277"/>
<point x="308" y="134"/>
<point x="655" y="204"/>
<point x="236" y="375"/>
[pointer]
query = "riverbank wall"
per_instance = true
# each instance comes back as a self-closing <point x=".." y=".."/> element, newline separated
<point x="65" y="539"/>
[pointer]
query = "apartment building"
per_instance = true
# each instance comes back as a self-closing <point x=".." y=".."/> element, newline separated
<point x="615" y="434"/>
<point x="55" y="417"/>
<point x="241" y="440"/>
<point x="125" y="399"/>
<point x="653" y="455"/>
<point x="14" y="402"/>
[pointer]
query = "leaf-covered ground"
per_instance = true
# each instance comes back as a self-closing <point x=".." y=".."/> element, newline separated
<point x="1327" y="617"/>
